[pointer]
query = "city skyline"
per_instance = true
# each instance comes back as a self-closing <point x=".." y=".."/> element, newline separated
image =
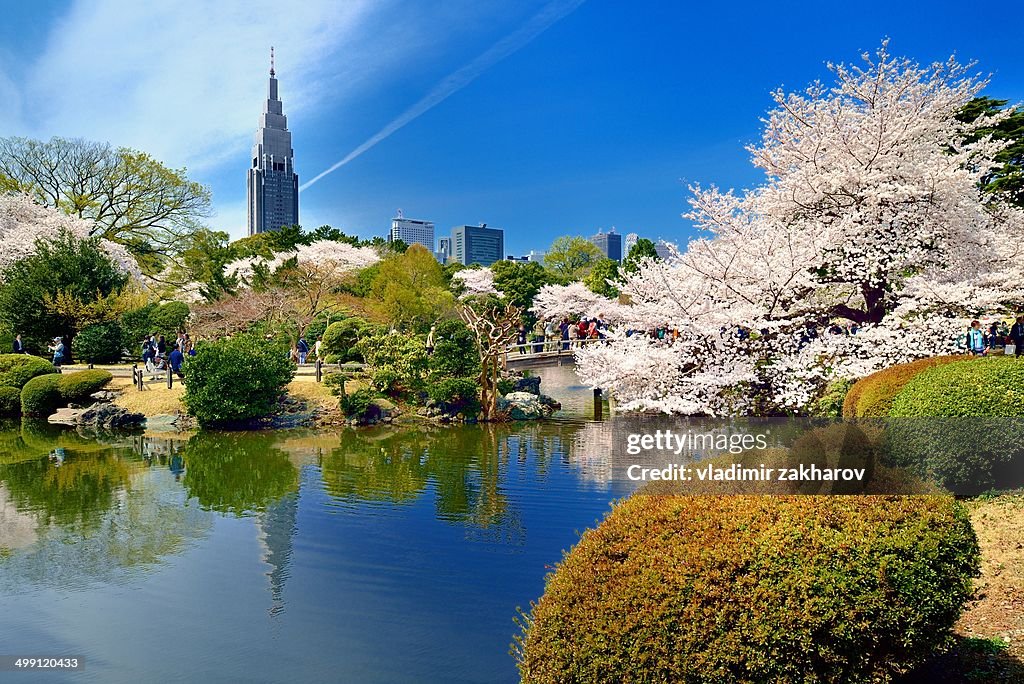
<point x="547" y="118"/>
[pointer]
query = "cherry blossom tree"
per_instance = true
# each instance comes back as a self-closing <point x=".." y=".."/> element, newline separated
<point x="23" y="223"/>
<point x="871" y="214"/>
<point x="475" y="281"/>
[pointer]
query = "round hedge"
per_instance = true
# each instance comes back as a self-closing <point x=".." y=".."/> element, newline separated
<point x="10" y="402"/>
<point x="339" y="339"/>
<point x="77" y="387"/>
<point x="41" y="395"/>
<point x="17" y="369"/>
<point x="872" y="396"/>
<point x="754" y="589"/>
<point x="962" y="425"/>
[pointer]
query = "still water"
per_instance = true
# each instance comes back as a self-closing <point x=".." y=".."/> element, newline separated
<point x="369" y="556"/>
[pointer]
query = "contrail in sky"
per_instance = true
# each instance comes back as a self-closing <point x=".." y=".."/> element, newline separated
<point x="463" y="77"/>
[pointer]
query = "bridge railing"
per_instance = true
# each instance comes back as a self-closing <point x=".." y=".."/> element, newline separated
<point x="550" y="348"/>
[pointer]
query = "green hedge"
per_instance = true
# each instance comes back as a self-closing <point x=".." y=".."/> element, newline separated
<point x="41" y="395"/>
<point x="456" y="395"/>
<point x="99" y="343"/>
<point x="235" y="380"/>
<point x="754" y="589"/>
<point x="77" y="387"/>
<point x="872" y="396"/>
<point x="10" y="402"/>
<point x="17" y="369"/>
<point x="962" y="425"/>
<point x="340" y="338"/>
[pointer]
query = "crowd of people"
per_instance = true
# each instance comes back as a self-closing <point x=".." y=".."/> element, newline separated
<point x="999" y="335"/>
<point x="157" y="358"/>
<point x="568" y="334"/>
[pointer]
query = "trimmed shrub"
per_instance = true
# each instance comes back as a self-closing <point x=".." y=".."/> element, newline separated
<point x="455" y="354"/>
<point x="962" y="425"/>
<point x="10" y="402"/>
<point x="41" y="395"/>
<point x="456" y="395"/>
<point x="339" y="339"/>
<point x="398" y="362"/>
<point x="754" y="589"/>
<point x="872" y="396"/>
<point x="168" y="318"/>
<point x="77" y="387"/>
<point x="99" y="343"/>
<point x="235" y="380"/>
<point x="356" y="404"/>
<point x="18" y="369"/>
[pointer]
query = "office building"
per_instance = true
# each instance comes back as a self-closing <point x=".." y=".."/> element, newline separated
<point x="478" y="244"/>
<point x="412" y="231"/>
<point x="444" y="250"/>
<point x="662" y="248"/>
<point x="631" y="240"/>
<point x="273" y="185"/>
<point x="609" y="243"/>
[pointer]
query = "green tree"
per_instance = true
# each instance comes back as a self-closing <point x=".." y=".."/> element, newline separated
<point x="131" y="198"/>
<point x="70" y="269"/>
<point x="520" y="282"/>
<point x="643" y="249"/>
<point x="410" y="289"/>
<point x="571" y="258"/>
<point x="201" y="259"/>
<point x="1006" y="181"/>
<point x="597" y="280"/>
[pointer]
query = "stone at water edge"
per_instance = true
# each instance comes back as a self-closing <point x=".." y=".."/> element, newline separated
<point x="530" y="384"/>
<point x="109" y="416"/>
<point x="66" y="416"/>
<point x="523" y="405"/>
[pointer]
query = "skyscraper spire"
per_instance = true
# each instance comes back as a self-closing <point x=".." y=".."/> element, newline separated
<point x="273" y="185"/>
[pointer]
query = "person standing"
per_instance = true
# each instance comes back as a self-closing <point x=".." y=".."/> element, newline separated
<point x="58" y="351"/>
<point x="521" y="339"/>
<point x="303" y="348"/>
<point x="549" y="335"/>
<point x="976" y="339"/>
<point x="161" y="346"/>
<point x="316" y="348"/>
<point x="430" y="340"/>
<point x="563" y="328"/>
<point x="176" y="359"/>
<point x="1017" y="334"/>
<point x="18" y="347"/>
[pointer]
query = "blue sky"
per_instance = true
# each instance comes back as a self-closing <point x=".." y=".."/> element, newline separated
<point x="598" y="120"/>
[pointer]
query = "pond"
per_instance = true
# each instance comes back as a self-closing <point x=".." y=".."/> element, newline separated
<point x="370" y="556"/>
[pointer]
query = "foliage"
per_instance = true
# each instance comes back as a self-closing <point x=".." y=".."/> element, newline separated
<point x="456" y="395"/>
<point x="41" y="395"/>
<point x="99" y="343"/>
<point x="962" y="425"/>
<point x="78" y="387"/>
<point x="235" y="380"/>
<point x="18" y="369"/>
<point x="643" y="249"/>
<point x="1006" y="180"/>
<point x="454" y="351"/>
<point x="520" y="282"/>
<point x="340" y="338"/>
<point x="356" y="404"/>
<point x="754" y="588"/>
<point x="870" y="212"/>
<point x="989" y="387"/>
<point x="571" y="258"/>
<point x="71" y="267"/>
<point x="830" y="403"/>
<point x="601" y="273"/>
<point x="505" y="385"/>
<point x="397" y="362"/>
<point x="169" y="318"/>
<point x="872" y="396"/>
<point x="130" y="198"/>
<point x="10" y="401"/>
<point x="410" y="289"/>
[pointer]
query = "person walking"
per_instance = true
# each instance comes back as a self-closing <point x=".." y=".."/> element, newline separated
<point x="303" y="348"/>
<point x="430" y="340"/>
<point x="976" y="339"/>
<point x="18" y="347"/>
<point x="1017" y="335"/>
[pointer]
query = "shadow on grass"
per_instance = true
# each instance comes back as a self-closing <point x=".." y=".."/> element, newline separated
<point x="970" y="660"/>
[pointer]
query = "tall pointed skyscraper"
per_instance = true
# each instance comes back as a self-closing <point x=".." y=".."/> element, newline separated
<point x="273" y="183"/>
